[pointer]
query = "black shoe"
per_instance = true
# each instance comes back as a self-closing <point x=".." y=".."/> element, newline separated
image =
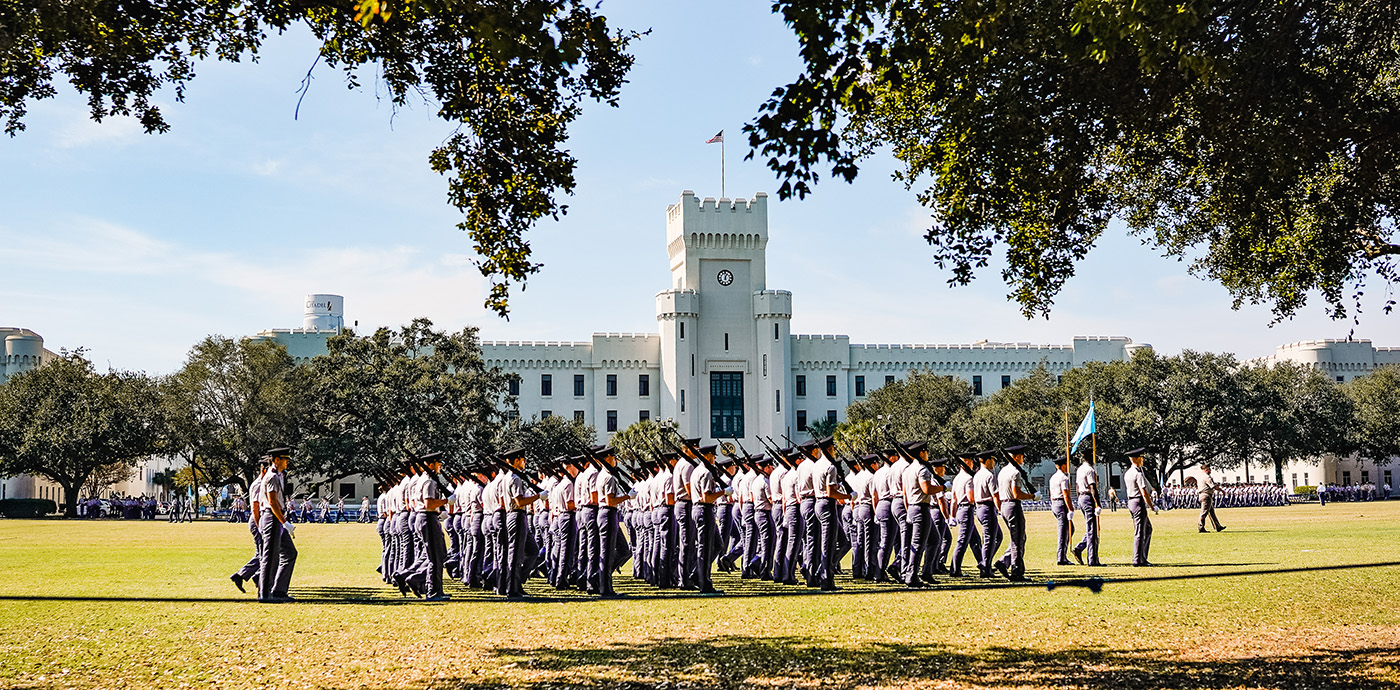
<point x="238" y="582"/>
<point x="1063" y="563"/>
<point x="1202" y="530"/>
<point x="789" y="582"/>
<point x="438" y="597"/>
<point x="1220" y="528"/>
<point x="711" y="590"/>
<point x="1001" y="568"/>
<point x="984" y="573"/>
<point x="272" y="600"/>
<point x="1079" y="556"/>
<point x="285" y="598"/>
<point x="914" y="584"/>
<point x="830" y="588"/>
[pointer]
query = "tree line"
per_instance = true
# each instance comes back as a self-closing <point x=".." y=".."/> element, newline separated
<point x="1187" y="409"/>
<point x="359" y="409"/>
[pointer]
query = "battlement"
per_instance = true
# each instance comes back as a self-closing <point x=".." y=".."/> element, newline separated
<point x="811" y="338"/>
<point x="966" y="346"/>
<point x="626" y="336"/>
<point x="532" y="343"/>
<point x="1324" y="342"/>
<point x="1104" y="338"/>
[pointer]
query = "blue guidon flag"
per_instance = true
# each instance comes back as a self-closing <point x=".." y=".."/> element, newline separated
<point x="1086" y="428"/>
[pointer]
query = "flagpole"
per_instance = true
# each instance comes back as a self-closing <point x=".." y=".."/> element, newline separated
<point x="721" y="167"/>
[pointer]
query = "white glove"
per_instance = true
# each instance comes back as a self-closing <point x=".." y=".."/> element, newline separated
<point x="728" y="491"/>
<point x="632" y="493"/>
<point x="1098" y="512"/>
<point x="290" y="527"/>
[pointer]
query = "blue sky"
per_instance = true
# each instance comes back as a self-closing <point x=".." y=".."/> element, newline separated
<point x="137" y="246"/>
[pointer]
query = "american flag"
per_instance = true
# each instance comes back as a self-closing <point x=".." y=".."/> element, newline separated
<point x="716" y="139"/>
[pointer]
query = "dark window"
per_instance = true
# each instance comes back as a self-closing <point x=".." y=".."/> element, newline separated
<point x="515" y="386"/>
<point x="801" y="420"/>
<point x="692" y="365"/>
<point x="1365" y="476"/>
<point x="512" y="414"/>
<point x="612" y="385"/>
<point x="644" y="385"/>
<point x="643" y="415"/>
<point x="1006" y="382"/>
<point x="726" y="342"/>
<point x="1340" y="379"/>
<point x="612" y="420"/>
<point x="889" y="380"/>
<point x="831" y="386"/>
<point x="546" y="384"/>
<point x="546" y="414"/>
<point x="1346" y="479"/>
<point x="578" y="416"/>
<point x="578" y="385"/>
<point x="775" y="331"/>
<point x="778" y="398"/>
<point x="726" y="404"/>
<point x="860" y="385"/>
<point x="347" y="491"/>
<point x="831" y="416"/>
<point x="801" y="385"/>
<point x="977" y="385"/>
<point x="682" y="400"/>
<point x="682" y="330"/>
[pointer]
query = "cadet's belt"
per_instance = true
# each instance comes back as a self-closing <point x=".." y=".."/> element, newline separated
<point x="987" y="502"/>
<point x="589" y="505"/>
<point x="683" y="500"/>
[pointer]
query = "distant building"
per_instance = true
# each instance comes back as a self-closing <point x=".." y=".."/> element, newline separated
<point x="24" y="350"/>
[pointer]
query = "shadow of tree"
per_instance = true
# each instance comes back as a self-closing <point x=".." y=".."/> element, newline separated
<point x="741" y="662"/>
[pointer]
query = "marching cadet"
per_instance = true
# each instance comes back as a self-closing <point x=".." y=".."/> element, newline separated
<point x="1206" y="490"/>
<point x="919" y="490"/>
<point x="1011" y="490"/>
<point x="964" y="507"/>
<point x="686" y="539"/>
<point x="474" y="551"/>
<point x="761" y="497"/>
<point x="249" y="571"/>
<point x="426" y="578"/>
<point x="737" y="547"/>
<point x="899" y="508"/>
<point x="667" y="530"/>
<point x="515" y="496"/>
<point x="984" y="493"/>
<point x="942" y="516"/>
<point x="610" y="496"/>
<point x="792" y="524"/>
<point x="703" y="491"/>
<point x="1063" y="509"/>
<point x="826" y="485"/>
<point x="1139" y="498"/>
<point x="561" y="503"/>
<point x="775" y="496"/>
<point x="864" y="551"/>
<point x="493" y="522"/>
<point x="810" y="530"/>
<point x="586" y="514"/>
<point x="279" y="555"/>
<point x="886" y="531"/>
<point x="1087" y="484"/>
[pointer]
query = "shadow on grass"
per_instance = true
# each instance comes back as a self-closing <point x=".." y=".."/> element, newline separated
<point x="742" y="662"/>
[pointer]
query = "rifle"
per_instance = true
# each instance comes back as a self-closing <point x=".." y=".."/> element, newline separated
<point x="778" y="455"/>
<point x="620" y="475"/>
<point x="840" y="475"/>
<point x="1023" y="475"/>
<point x="720" y="477"/>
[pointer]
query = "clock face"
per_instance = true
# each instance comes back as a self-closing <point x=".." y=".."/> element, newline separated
<point x="725" y="277"/>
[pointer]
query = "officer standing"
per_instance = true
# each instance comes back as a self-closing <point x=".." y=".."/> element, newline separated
<point x="1087" y="483"/>
<point x="1206" y="489"/>
<point x="1063" y="509"/>
<point x="1011" y="490"/>
<point x="279" y="555"/>
<point x="1139" y="498"/>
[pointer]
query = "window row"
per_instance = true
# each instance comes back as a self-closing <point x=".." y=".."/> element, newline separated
<point x="547" y="385"/>
<point x="579" y="417"/>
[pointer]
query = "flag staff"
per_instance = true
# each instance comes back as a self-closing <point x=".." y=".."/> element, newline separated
<point x="719" y="139"/>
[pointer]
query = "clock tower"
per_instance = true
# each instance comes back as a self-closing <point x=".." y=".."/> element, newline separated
<point x="725" y="338"/>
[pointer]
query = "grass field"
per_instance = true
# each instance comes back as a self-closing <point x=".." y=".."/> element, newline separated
<point x="148" y="605"/>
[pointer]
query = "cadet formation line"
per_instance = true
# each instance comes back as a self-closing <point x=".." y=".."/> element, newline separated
<point x="789" y="517"/>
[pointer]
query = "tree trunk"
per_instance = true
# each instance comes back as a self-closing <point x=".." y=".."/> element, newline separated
<point x="1278" y="472"/>
<point x="70" y="499"/>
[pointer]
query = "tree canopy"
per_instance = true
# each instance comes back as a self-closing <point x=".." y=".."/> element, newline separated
<point x="1260" y="141"/>
<point x="511" y="77"/>
<point x="66" y="422"/>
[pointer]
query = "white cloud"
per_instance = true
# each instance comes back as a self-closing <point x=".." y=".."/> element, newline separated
<point x="79" y="131"/>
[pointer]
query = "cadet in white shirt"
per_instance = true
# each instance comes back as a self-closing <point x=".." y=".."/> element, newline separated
<point x="984" y="495"/>
<point x="1087" y="484"/>
<point x="1062" y="507"/>
<point x="761" y="498"/>
<point x="612" y="549"/>
<point x="826" y="485"/>
<point x="515" y="496"/>
<point x="886" y="536"/>
<point x="686" y="539"/>
<point x="1011" y="490"/>
<point x="917" y="483"/>
<point x="792" y="525"/>
<point x="1139" y="499"/>
<point x="865" y="550"/>
<point x="563" y="508"/>
<point x="249" y="571"/>
<point x="279" y="554"/>
<point x="586" y="514"/>
<point x="703" y="491"/>
<point x="899" y="508"/>
<point x="426" y="578"/>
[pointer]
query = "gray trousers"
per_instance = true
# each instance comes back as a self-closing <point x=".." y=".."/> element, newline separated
<point x="967" y="536"/>
<point x="426" y="575"/>
<point x="511" y="581"/>
<point x="919" y="526"/>
<point x="1208" y="510"/>
<point x="474" y="557"/>
<point x="1015" y="557"/>
<point x="811" y="535"/>
<point x="608" y="536"/>
<point x="250" y="569"/>
<point x="1062" y="523"/>
<point x="864" y="551"/>
<point x="792" y="526"/>
<point x="702" y="516"/>
<point x="991" y="534"/>
<point x="901" y="524"/>
<point x="944" y="538"/>
<point x="279" y="558"/>
<point x="1142" y="530"/>
<point x="587" y="517"/>
<point x="829" y="525"/>
<point x="566" y="545"/>
<point x="886" y="532"/>
<point x="687" y="542"/>
<point x="761" y="562"/>
<point x="1090" y="542"/>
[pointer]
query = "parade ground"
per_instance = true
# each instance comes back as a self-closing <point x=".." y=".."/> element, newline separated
<point x="123" y="604"/>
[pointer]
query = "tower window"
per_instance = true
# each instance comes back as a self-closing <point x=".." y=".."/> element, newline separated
<point x="778" y="398"/>
<point x="682" y="330"/>
<point x="578" y="385"/>
<point x="1006" y="382"/>
<point x="546" y="385"/>
<point x="644" y="385"/>
<point x="976" y="385"/>
<point x="612" y="385"/>
<point x="801" y="420"/>
<point x="514" y="386"/>
<point x="831" y="386"/>
<point x="801" y="387"/>
<point x="775" y="331"/>
<point x="726" y="342"/>
<point x="612" y="420"/>
<point x="682" y="400"/>
<point x="765" y="365"/>
<point x="692" y="364"/>
<point x="860" y="386"/>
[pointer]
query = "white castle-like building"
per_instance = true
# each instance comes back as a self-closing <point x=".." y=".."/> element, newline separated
<point x="725" y="363"/>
